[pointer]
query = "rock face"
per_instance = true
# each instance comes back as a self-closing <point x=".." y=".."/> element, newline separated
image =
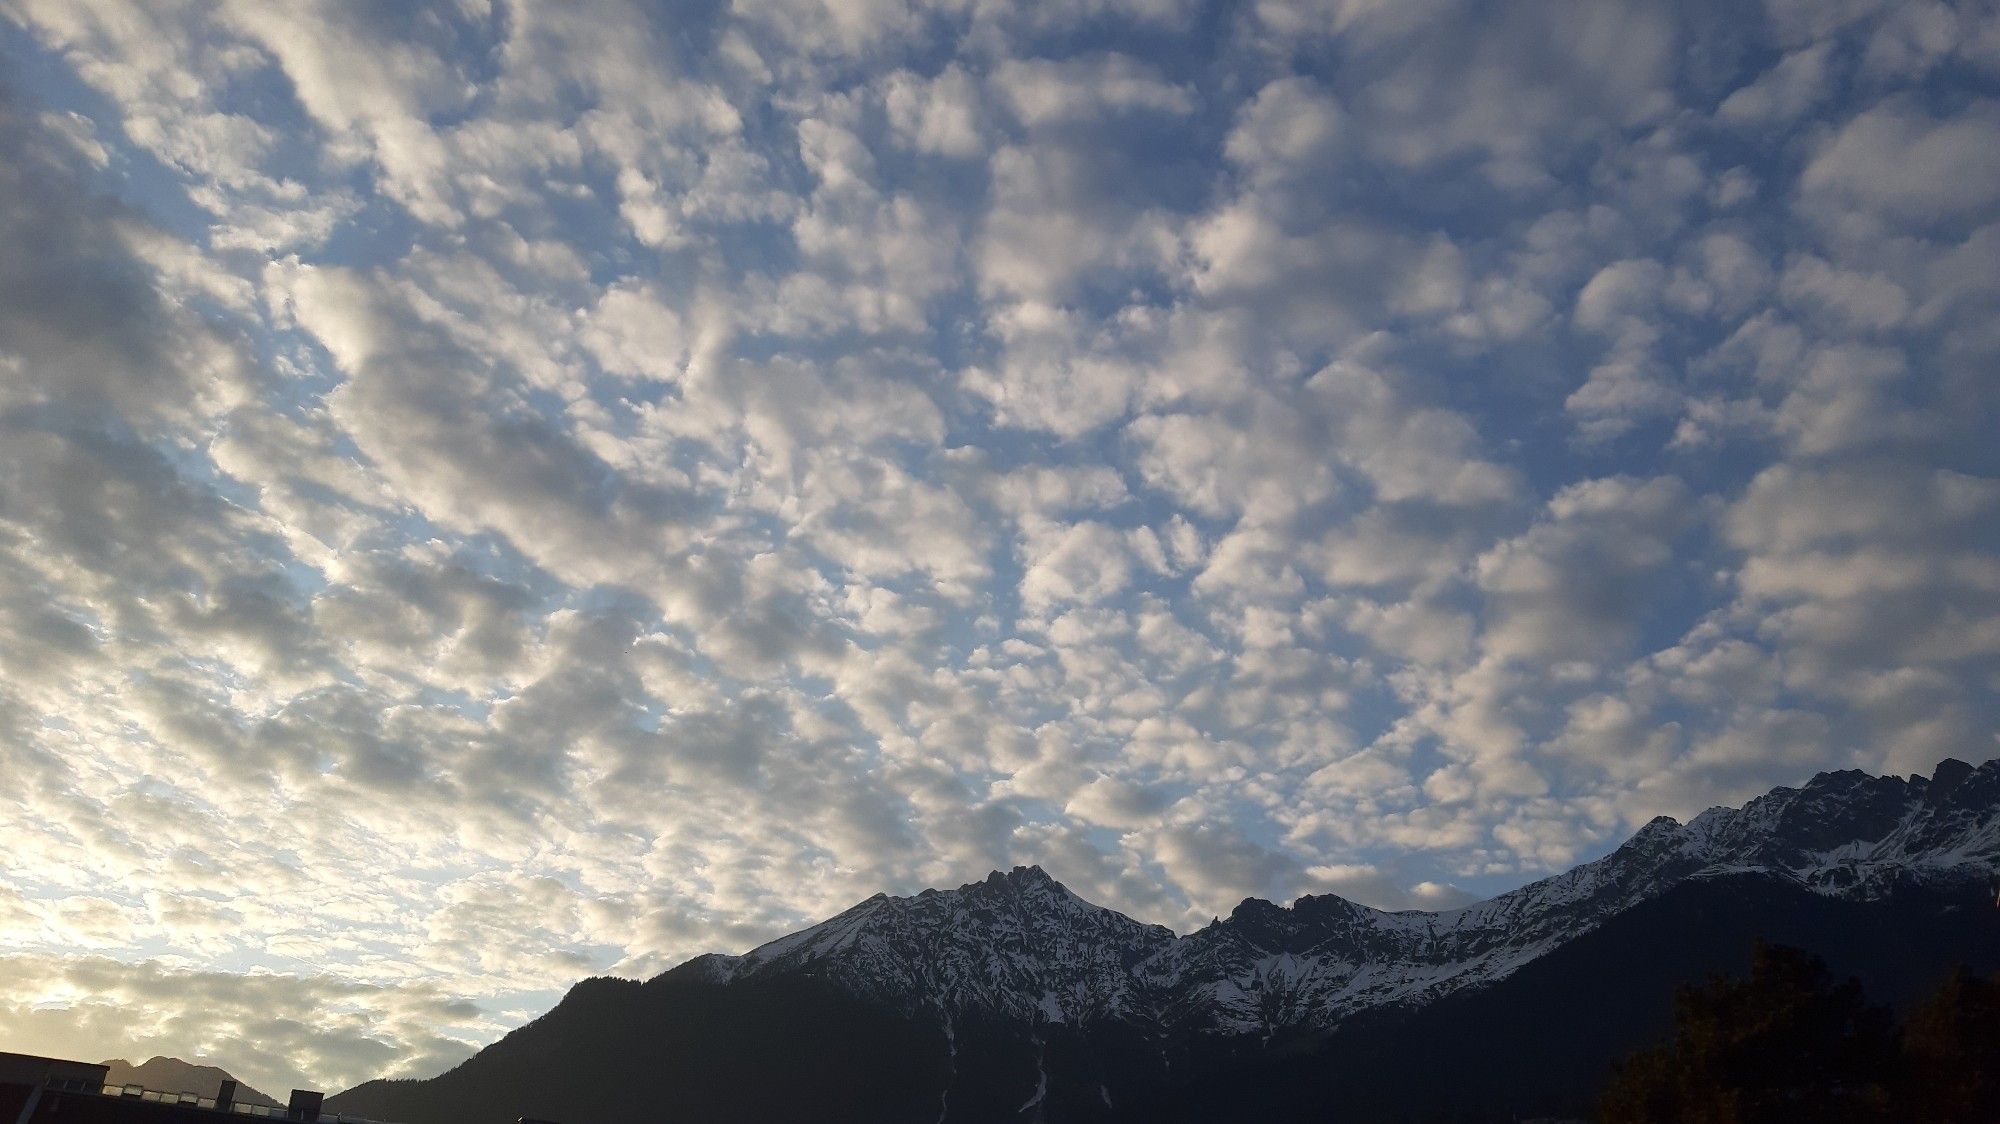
<point x="1013" y="999"/>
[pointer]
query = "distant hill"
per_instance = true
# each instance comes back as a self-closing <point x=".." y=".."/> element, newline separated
<point x="172" y="1075"/>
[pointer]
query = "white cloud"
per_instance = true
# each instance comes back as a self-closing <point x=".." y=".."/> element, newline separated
<point x="692" y="474"/>
<point x="1043" y="93"/>
<point x="941" y="115"/>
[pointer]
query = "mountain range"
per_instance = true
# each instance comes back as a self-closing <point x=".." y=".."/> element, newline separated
<point x="1014" y="999"/>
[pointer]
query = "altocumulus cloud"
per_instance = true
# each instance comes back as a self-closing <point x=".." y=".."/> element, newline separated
<point x="497" y="492"/>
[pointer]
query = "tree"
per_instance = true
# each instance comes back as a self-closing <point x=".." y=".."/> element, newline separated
<point x="1952" y="1049"/>
<point x="1786" y="1044"/>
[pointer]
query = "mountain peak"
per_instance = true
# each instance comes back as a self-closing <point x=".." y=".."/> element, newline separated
<point x="1022" y="876"/>
<point x="1023" y="879"/>
<point x="1023" y="883"/>
<point x="1841" y="778"/>
<point x="1951" y="766"/>
<point x="1947" y="775"/>
<point x="175" y="1075"/>
<point x="1658" y="825"/>
<point x="1016" y="941"/>
<point x="1256" y="909"/>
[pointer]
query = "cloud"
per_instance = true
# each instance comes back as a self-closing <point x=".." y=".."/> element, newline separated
<point x="691" y="471"/>
<point x="942" y="114"/>
<point x="1042" y="93"/>
<point x="373" y="82"/>
<point x="436" y="420"/>
<point x="85" y="325"/>
<point x="1900" y="161"/>
<point x="1799" y="81"/>
<point x="273" y="1031"/>
<point x="1575" y="585"/>
<point x="1291" y="127"/>
<point x="1501" y="85"/>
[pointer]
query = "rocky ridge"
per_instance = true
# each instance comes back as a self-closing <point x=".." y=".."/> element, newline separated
<point x="1021" y="947"/>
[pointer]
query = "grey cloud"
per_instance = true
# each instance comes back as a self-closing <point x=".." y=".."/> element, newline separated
<point x="1052" y="373"/>
<point x="1061" y="213"/>
<point x="1217" y="865"/>
<point x="1503" y="83"/>
<point x="887" y="256"/>
<point x="942" y="114"/>
<point x="464" y="449"/>
<point x="390" y="606"/>
<point x="1861" y="559"/>
<point x="1799" y="81"/>
<point x="80" y="314"/>
<point x="272" y="1030"/>
<point x="1043" y="93"/>
<point x="367" y="76"/>
<point x="1292" y="128"/>
<point x="1575" y="585"/>
<point x="1904" y="163"/>
<point x="1116" y="803"/>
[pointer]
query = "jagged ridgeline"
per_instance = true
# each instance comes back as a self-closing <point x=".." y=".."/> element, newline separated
<point x="1013" y="999"/>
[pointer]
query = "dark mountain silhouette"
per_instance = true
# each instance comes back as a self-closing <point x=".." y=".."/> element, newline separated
<point x="172" y="1075"/>
<point x="1013" y="999"/>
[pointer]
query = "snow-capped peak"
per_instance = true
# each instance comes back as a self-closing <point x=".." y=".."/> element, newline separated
<point x="1016" y="942"/>
<point x="1020" y="945"/>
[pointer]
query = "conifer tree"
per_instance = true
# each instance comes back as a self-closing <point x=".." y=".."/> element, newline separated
<point x="1788" y="1043"/>
<point x="1952" y="1048"/>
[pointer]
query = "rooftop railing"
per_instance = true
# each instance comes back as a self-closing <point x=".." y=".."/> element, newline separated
<point x="195" y="1100"/>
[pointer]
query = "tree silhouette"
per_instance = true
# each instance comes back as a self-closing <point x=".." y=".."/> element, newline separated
<point x="1952" y="1050"/>
<point x="1786" y="1044"/>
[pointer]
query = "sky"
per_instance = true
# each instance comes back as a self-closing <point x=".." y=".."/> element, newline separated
<point x="496" y="492"/>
